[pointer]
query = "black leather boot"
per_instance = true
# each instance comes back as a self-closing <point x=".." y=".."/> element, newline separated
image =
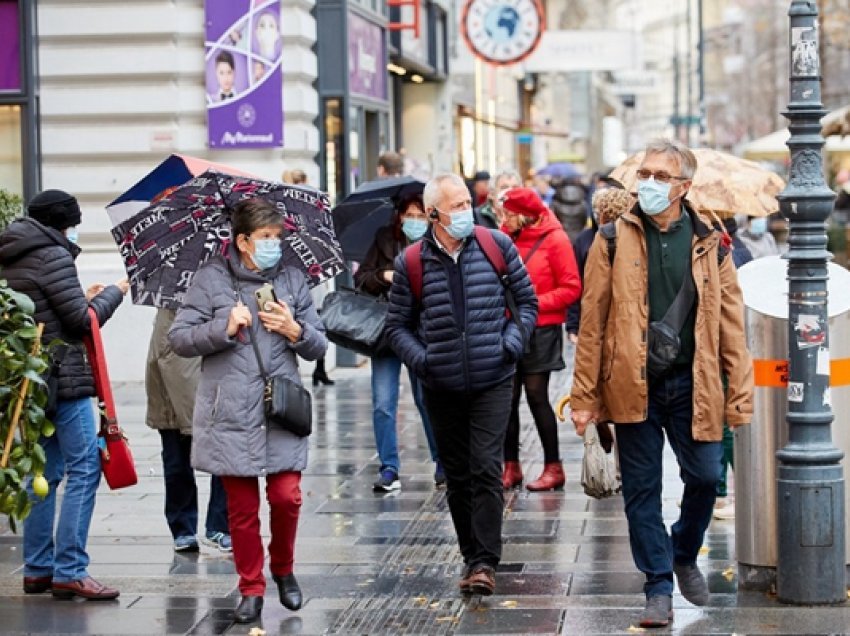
<point x="290" y="593"/>
<point x="249" y="609"/>
<point x="319" y="373"/>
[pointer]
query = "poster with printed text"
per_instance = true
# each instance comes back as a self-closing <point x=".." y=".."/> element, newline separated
<point x="243" y="51"/>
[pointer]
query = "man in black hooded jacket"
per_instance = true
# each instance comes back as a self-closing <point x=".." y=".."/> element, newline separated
<point x="37" y="258"/>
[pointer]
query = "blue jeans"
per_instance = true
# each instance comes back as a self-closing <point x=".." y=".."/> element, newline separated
<point x="181" y="492"/>
<point x="386" y="371"/>
<point x="71" y="451"/>
<point x="641" y="447"/>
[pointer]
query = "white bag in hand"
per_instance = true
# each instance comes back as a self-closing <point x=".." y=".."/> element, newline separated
<point x="598" y="468"/>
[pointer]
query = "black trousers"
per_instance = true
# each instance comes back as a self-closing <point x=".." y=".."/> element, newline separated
<point x="470" y="433"/>
<point x="181" y="492"/>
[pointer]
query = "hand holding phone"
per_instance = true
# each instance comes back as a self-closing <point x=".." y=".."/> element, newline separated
<point x="266" y="298"/>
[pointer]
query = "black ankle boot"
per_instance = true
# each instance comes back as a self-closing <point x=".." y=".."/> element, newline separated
<point x="288" y="590"/>
<point x="249" y="609"/>
<point x="320" y="375"/>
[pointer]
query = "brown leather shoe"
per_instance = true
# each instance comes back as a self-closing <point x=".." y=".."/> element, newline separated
<point x="84" y="588"/>
<point x="464" y="579"/>
<point x="37" y="584"/>
<point x="482" y="580"/>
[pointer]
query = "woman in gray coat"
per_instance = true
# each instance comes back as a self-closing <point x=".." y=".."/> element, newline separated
<point x="231" y="437"/>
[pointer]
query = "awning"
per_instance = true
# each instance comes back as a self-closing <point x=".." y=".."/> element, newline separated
<point x="773" y="146"/>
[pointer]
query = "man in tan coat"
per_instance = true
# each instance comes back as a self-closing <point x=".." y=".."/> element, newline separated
<point x="658" y="245"/>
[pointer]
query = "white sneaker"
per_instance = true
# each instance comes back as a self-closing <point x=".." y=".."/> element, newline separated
<point x="725" y="509"/>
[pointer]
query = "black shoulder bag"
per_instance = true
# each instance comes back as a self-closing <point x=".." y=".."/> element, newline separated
<point x="663" y="343"/>
<point x="288" y="405"/>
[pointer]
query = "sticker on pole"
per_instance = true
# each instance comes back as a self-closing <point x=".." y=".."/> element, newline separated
<point x="795" y="391"/>
<point x="810" y="332"/>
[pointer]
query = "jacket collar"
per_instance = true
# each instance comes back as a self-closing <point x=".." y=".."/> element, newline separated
<point x="702" y="227"/>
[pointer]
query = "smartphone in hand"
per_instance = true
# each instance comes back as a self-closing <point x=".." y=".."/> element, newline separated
<point x="266" y="298"/>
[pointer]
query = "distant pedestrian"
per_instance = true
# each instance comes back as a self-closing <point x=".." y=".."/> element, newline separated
<point x="37" y="259"/>
<point x="548" y="256"/>
<point x="757" y="239"/>
<point x="375" y="277"/>
<point x="390" y="164"/>
<point x="569" y="203"/>
<point x="491" y="214"/>
<point x="170" y="385"/>
<point x="664" y="250"/>
<point x="453" y="330"/>
<point x="219" y="320"/>
<point x="479" y="187"/>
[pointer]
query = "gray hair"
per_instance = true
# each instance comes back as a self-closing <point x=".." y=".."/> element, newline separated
<point x="433" y="191"/>
<point x="507" y="173"/>
<point x="680" y="152"/>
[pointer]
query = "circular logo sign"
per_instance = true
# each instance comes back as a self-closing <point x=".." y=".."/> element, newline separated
<point x="502" y="32"/>
<point x="246" y="115"/>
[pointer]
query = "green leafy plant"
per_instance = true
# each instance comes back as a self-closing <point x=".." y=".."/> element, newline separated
<point x="11" y="207"/>
<point x="23" y="397"/>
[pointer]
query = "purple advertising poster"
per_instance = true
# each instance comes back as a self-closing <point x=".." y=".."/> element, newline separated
<point x="367" y="59"/>
<point x="243" y="74"/>
<point x="10" y="46"/>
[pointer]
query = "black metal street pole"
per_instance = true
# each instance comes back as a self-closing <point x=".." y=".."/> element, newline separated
<point x="810" y="483"/>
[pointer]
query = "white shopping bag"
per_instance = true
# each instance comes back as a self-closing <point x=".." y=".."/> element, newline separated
<point x="599" y="475"/>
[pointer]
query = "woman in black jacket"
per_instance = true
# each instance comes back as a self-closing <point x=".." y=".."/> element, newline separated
<point x="375" y="277"/>
<point x="37" y="258"/>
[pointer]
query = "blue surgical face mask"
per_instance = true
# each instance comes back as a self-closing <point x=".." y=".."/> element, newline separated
<point x="72" y="235"/>
<point x="654" y="197"/>
<point x="267" y="253"/>
<point x="758" y="226"/>
<point x="414" y="229"/>
<point x="461" y="224"/>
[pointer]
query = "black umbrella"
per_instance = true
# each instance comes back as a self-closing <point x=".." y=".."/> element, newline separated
<point x="370" y="207"/>
<point x="165" y="244"/>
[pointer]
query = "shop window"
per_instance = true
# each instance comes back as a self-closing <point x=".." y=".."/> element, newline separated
<point x="11" y="161"/>
<point x="334" y="149"/>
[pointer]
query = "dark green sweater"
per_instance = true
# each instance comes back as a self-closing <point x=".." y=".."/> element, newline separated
<point x="669" y="256"/>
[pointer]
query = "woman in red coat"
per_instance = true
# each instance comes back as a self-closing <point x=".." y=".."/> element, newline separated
<point x="548" y="255"/>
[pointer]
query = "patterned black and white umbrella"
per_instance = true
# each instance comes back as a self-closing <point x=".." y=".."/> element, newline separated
<point x="164" y="244"/>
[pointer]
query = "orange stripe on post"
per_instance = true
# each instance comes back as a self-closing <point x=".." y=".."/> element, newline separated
<point x="771" y="373"/>
<point x="839" y="372"/>
<point x="774" y="373"/>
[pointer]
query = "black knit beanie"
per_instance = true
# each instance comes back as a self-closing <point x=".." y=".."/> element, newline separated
<point x="56" y="209"/>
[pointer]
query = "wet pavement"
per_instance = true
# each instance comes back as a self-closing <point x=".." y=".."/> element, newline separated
<point x="387" y="563"/>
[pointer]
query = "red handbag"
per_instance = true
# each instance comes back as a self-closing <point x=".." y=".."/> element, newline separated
<point x="116" y="460"/>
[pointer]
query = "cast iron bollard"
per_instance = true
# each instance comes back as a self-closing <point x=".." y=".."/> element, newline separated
<point x="810" y="484"/>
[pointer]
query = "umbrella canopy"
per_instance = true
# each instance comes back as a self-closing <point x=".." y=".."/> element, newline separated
<point x="560" y="170"/>
<point x="175" y="170"/>
<point x="837" y="122"/>
<point x="369" y="208"/>
<point x="165" y="244"/>
<point x="392" y="188"/>
<point x="723" y="184"/>
<point x="358" y="222"/>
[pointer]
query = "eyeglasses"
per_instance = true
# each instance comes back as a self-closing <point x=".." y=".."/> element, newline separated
<point x="661" y="176"/>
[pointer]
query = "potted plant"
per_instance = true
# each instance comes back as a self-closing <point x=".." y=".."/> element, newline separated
<point x="11" y="207"/>
<point x="23" y="397"/>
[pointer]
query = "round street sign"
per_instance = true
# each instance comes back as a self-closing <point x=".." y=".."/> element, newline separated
<point x="501" y="31"/>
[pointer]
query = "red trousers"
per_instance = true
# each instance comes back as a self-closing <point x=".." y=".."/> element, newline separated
<point x="283" y="492"/>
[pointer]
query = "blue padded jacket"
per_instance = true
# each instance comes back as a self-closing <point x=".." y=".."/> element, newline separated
<point x="460" y="337"/>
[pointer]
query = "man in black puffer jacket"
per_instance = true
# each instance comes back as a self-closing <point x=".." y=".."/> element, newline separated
<point x="37" y="258"/>
<point x="456" y="335"/>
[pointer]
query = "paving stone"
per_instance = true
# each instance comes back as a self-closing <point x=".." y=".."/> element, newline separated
<point x="388" y="563"/>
